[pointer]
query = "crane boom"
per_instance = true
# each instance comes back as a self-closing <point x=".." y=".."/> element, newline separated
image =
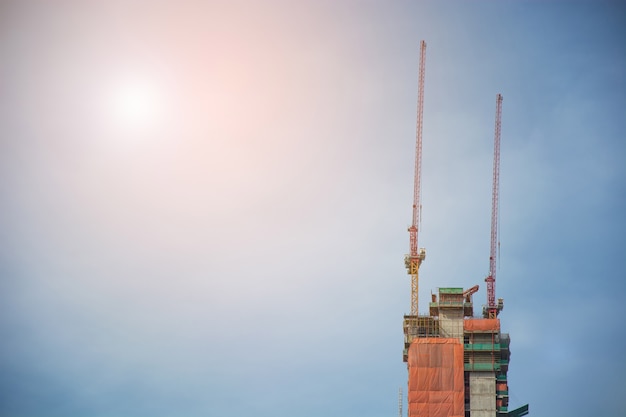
<point x="492" y="308"/>
<point x="418" y="152"/>
<point x="417" y="255"/>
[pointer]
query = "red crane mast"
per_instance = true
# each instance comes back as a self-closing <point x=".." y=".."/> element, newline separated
<point x="493" y="309"/>
<point x="416" y="254"/>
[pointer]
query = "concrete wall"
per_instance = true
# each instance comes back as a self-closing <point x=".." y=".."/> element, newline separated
<point x="482" y="394"/>
<point x="451" y="323"/>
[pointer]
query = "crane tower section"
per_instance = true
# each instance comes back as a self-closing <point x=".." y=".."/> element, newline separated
<point x="416" y="255"/>
<point x="492" y="309"/>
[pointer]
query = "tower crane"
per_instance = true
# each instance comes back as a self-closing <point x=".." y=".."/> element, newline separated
<point x="416" y="255"/>
<point x="492" y="309"/>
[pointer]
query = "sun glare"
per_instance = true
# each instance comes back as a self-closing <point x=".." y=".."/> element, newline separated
<point x="134" y="106"/>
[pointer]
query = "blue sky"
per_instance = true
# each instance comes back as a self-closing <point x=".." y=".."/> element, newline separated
<point x="204" y="204"/>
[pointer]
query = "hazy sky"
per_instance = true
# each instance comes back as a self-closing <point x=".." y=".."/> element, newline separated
<point x="203" y="205"/>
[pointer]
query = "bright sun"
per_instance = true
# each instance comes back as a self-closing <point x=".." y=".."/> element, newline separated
<point x="134" y="105"/>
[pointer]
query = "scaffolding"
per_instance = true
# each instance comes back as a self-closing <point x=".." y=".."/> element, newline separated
<point x="486" y="357"/>
<point x="415" y="327"/>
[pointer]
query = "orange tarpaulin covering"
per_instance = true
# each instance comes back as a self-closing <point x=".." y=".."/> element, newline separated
<point x="436" y="386"/>
<point x="485" y="325"/>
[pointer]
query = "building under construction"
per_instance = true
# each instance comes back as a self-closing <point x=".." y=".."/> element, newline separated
<point x="457" y="362"/>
